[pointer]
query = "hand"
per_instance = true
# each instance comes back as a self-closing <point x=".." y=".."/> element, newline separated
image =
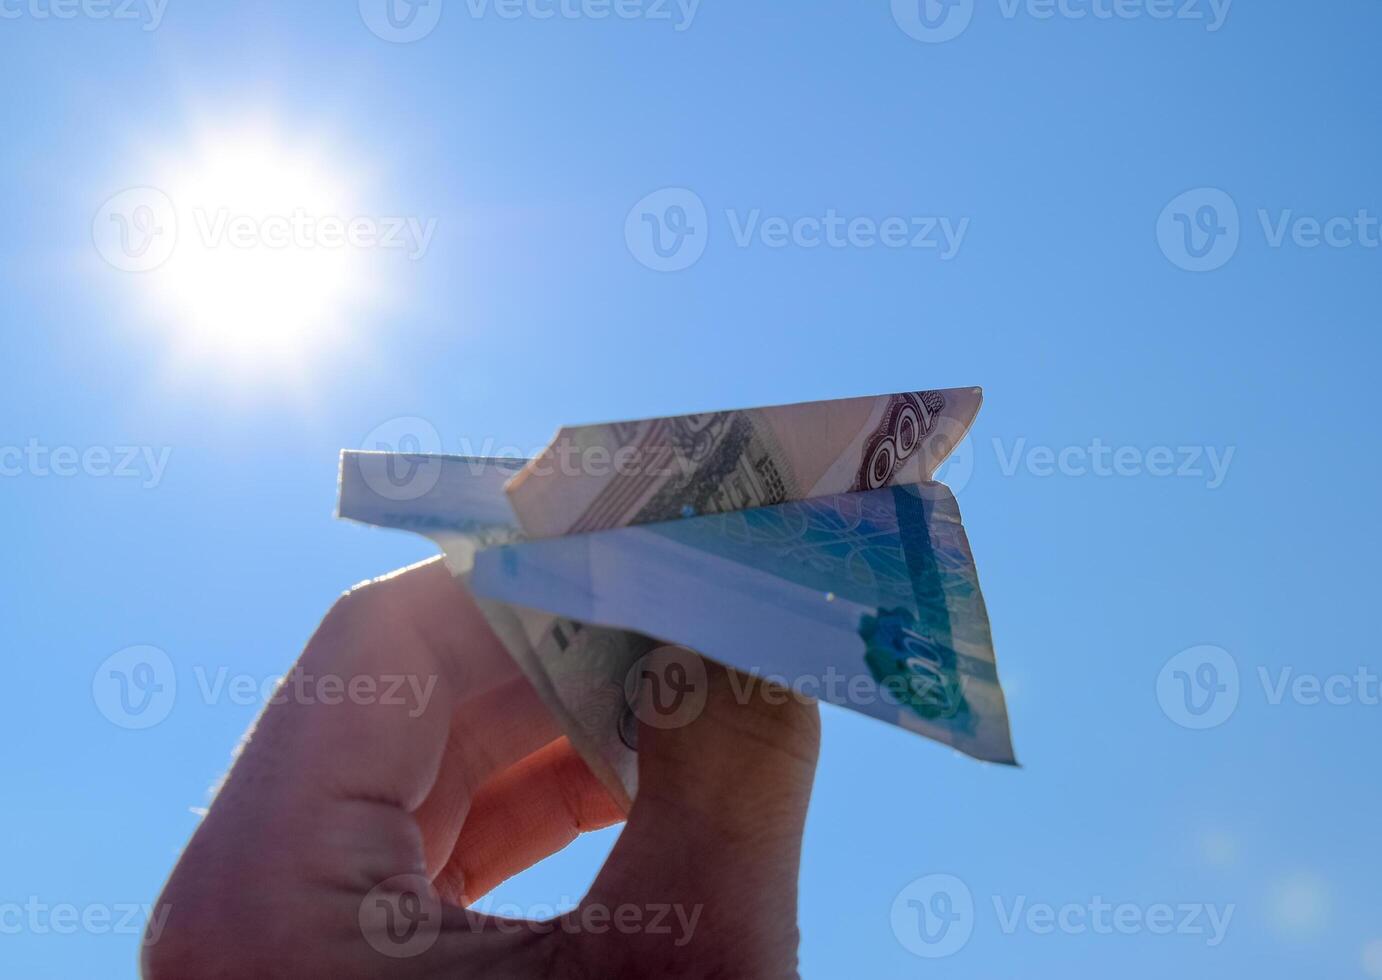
<point x="352" y="830"/>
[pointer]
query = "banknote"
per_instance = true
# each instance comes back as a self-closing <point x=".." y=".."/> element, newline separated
<point x="595" y="477"/>
<point x="678" y="473"/>
<point x="869" y="600"/>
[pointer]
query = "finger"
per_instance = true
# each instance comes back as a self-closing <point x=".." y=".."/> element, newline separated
<point x="448" y="708"/>
<point x="316" y="752"/>
<point x="488" y="734"/>
<point x="716" y="827"/>
<point x="531" y="810"/>
<point x="317" y="809"/>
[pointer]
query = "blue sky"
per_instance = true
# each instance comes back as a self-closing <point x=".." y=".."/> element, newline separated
<point x="1161" y="266"/>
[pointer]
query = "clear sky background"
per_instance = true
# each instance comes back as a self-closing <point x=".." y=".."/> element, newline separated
<point x="1127" y="335"/>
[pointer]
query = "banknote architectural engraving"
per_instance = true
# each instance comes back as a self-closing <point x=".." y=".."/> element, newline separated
<point x="802" y="543"/>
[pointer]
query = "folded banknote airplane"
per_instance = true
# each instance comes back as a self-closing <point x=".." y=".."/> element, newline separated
<point x="805" y="544"/>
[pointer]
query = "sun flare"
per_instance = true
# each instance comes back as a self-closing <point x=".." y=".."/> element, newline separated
<point x="263" y="249"/>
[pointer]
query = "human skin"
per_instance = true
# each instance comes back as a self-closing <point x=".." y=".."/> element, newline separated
<point x="442" y="797"/>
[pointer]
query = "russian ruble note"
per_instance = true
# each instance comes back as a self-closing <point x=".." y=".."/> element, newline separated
<point x="676" y="472"/>
<point x="869" y="600"/>
<point x="595" y="477"/>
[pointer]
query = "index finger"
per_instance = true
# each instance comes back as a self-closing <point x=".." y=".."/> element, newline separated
<point x="386" y="707"/>
<point x="321" y="805"/>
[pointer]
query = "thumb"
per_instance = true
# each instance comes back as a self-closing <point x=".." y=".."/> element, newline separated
<point x="726" y="763"/>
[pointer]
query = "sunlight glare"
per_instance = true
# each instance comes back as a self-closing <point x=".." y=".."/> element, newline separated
<point x="262" y="269"/>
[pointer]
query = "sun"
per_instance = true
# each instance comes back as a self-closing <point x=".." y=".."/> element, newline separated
<point x="254" y="249"/>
